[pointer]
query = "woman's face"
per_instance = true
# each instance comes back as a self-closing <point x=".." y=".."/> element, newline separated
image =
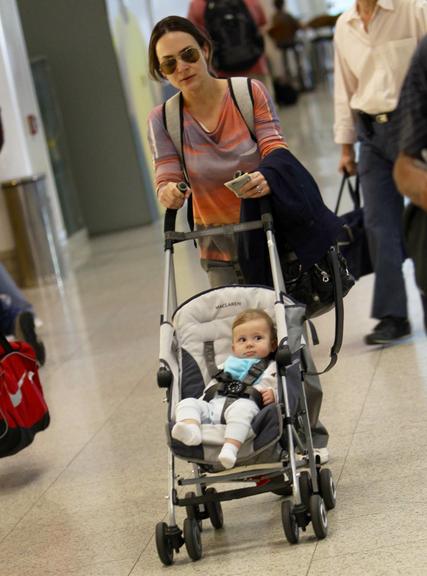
<point x="174" y="47"/>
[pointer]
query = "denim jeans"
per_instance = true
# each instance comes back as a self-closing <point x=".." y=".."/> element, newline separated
<point x="383" y="206"/>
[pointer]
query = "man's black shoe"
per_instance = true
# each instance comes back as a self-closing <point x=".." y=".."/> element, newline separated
<point x="388" y="330"/>
<point x="26" y="330"/>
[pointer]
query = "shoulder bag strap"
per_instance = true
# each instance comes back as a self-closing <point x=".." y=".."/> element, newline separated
<point x="334" y="265"/>
<point x="173" y="120"/>
<point x="241" y="93"/>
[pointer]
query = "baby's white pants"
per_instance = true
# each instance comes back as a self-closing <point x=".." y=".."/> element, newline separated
<point x="238" y="416"/>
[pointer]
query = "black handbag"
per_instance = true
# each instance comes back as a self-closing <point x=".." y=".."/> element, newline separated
<point x="353" y="241"/>
<point x="317" y="286"/>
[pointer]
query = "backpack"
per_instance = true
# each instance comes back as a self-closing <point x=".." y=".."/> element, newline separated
<point x="236" y="39"/>
<point x="23" y="409"/>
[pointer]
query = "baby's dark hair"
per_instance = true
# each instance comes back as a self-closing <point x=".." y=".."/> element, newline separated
<point x="255" y="314"/>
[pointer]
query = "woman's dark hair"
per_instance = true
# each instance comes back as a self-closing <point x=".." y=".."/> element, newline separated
<point x="173" y="24"/>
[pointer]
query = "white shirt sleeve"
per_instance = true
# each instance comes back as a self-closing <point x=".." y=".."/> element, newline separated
<point x="345" y="84"/>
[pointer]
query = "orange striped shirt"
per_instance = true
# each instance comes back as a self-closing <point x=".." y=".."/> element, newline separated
<point x="212" y="158"/>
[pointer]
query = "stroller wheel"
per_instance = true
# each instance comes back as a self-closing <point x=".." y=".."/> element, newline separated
<point x="305" y="488"/>
<point x="215" y="511"/>
<point x="164" y="544"/>
<point x="290" y="525"/>
<point x="327" y="488"/>
<point x="193" y="511"/>
<point x="193" y="541"/>
<point x="319" y="517"/>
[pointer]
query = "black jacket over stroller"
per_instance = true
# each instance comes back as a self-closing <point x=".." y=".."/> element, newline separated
<point x="278" y="457"/>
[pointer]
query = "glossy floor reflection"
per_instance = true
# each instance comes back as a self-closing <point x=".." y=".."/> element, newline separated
<point x="83" y="500"/>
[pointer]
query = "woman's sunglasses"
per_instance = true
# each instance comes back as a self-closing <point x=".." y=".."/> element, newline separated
<point x="190" y="55"/>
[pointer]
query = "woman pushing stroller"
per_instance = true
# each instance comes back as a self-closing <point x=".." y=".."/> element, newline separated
<point x="222" y="130"/>
<point x="216" y="143"/>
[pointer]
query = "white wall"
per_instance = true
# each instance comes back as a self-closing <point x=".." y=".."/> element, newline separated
<point x="165" y="8"/>
<point x="23" y="154"/>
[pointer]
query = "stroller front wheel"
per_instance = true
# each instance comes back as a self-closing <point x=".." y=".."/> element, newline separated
<point x="164" y="544"/>
<point x="327" y="488"/>
<point x="290" y="525"/>
<point x="319" y="517"/>
<point x="215" y="511"/>
<point x="192" y="538"/>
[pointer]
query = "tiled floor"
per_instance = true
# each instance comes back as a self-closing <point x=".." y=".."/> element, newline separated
<point x="83" y="500"/>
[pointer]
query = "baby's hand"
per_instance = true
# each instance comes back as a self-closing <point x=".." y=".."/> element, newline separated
<point x="268" y="396"/>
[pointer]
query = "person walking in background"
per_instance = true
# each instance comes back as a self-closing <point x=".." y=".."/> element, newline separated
<point x="283" y="25"/>
<point x="374" y="42"/>
<point x="283" y="31"/>
<point x="234" y="27"/>
<point x="410" y="170"/>
<point x="16" y="313"/>
<point x="17" y="317"/>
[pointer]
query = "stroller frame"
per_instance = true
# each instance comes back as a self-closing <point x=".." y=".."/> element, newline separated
<point x="312" y="490"/>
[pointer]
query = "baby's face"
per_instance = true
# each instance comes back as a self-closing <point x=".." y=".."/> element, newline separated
<point x="252" y="339"/>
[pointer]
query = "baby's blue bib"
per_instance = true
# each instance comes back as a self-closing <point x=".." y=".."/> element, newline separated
<point x="239" y="367"/>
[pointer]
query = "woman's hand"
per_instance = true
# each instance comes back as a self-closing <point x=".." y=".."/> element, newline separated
<point x="171" y="197"/>
<point x="268" y="396"/>
<point x="256" y="187"/>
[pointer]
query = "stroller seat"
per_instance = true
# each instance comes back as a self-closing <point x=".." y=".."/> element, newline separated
<point x="202" y="342"/>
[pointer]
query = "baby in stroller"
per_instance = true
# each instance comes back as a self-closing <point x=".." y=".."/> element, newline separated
<point x="195" y="339"/>
<point x="246" y="383"/>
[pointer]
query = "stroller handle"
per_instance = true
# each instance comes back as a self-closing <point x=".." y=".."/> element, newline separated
<point x="170" y="220"/>
<point x="170" y="215"/>
<point x="265" y="207"/>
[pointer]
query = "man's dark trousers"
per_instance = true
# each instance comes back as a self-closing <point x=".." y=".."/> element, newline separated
<point x="383" y="207"/>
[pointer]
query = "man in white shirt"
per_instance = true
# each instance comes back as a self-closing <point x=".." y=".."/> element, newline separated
<point x="374" y="43"/>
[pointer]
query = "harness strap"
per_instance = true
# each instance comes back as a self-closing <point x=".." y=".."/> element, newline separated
<point x="255" y="372"/>
<point x="221" y="389"/>
<point x="224" y="380"/>
<point x="209" y="355"/>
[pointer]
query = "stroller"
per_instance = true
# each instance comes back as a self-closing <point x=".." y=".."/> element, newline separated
<point x="279" y="456"/>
